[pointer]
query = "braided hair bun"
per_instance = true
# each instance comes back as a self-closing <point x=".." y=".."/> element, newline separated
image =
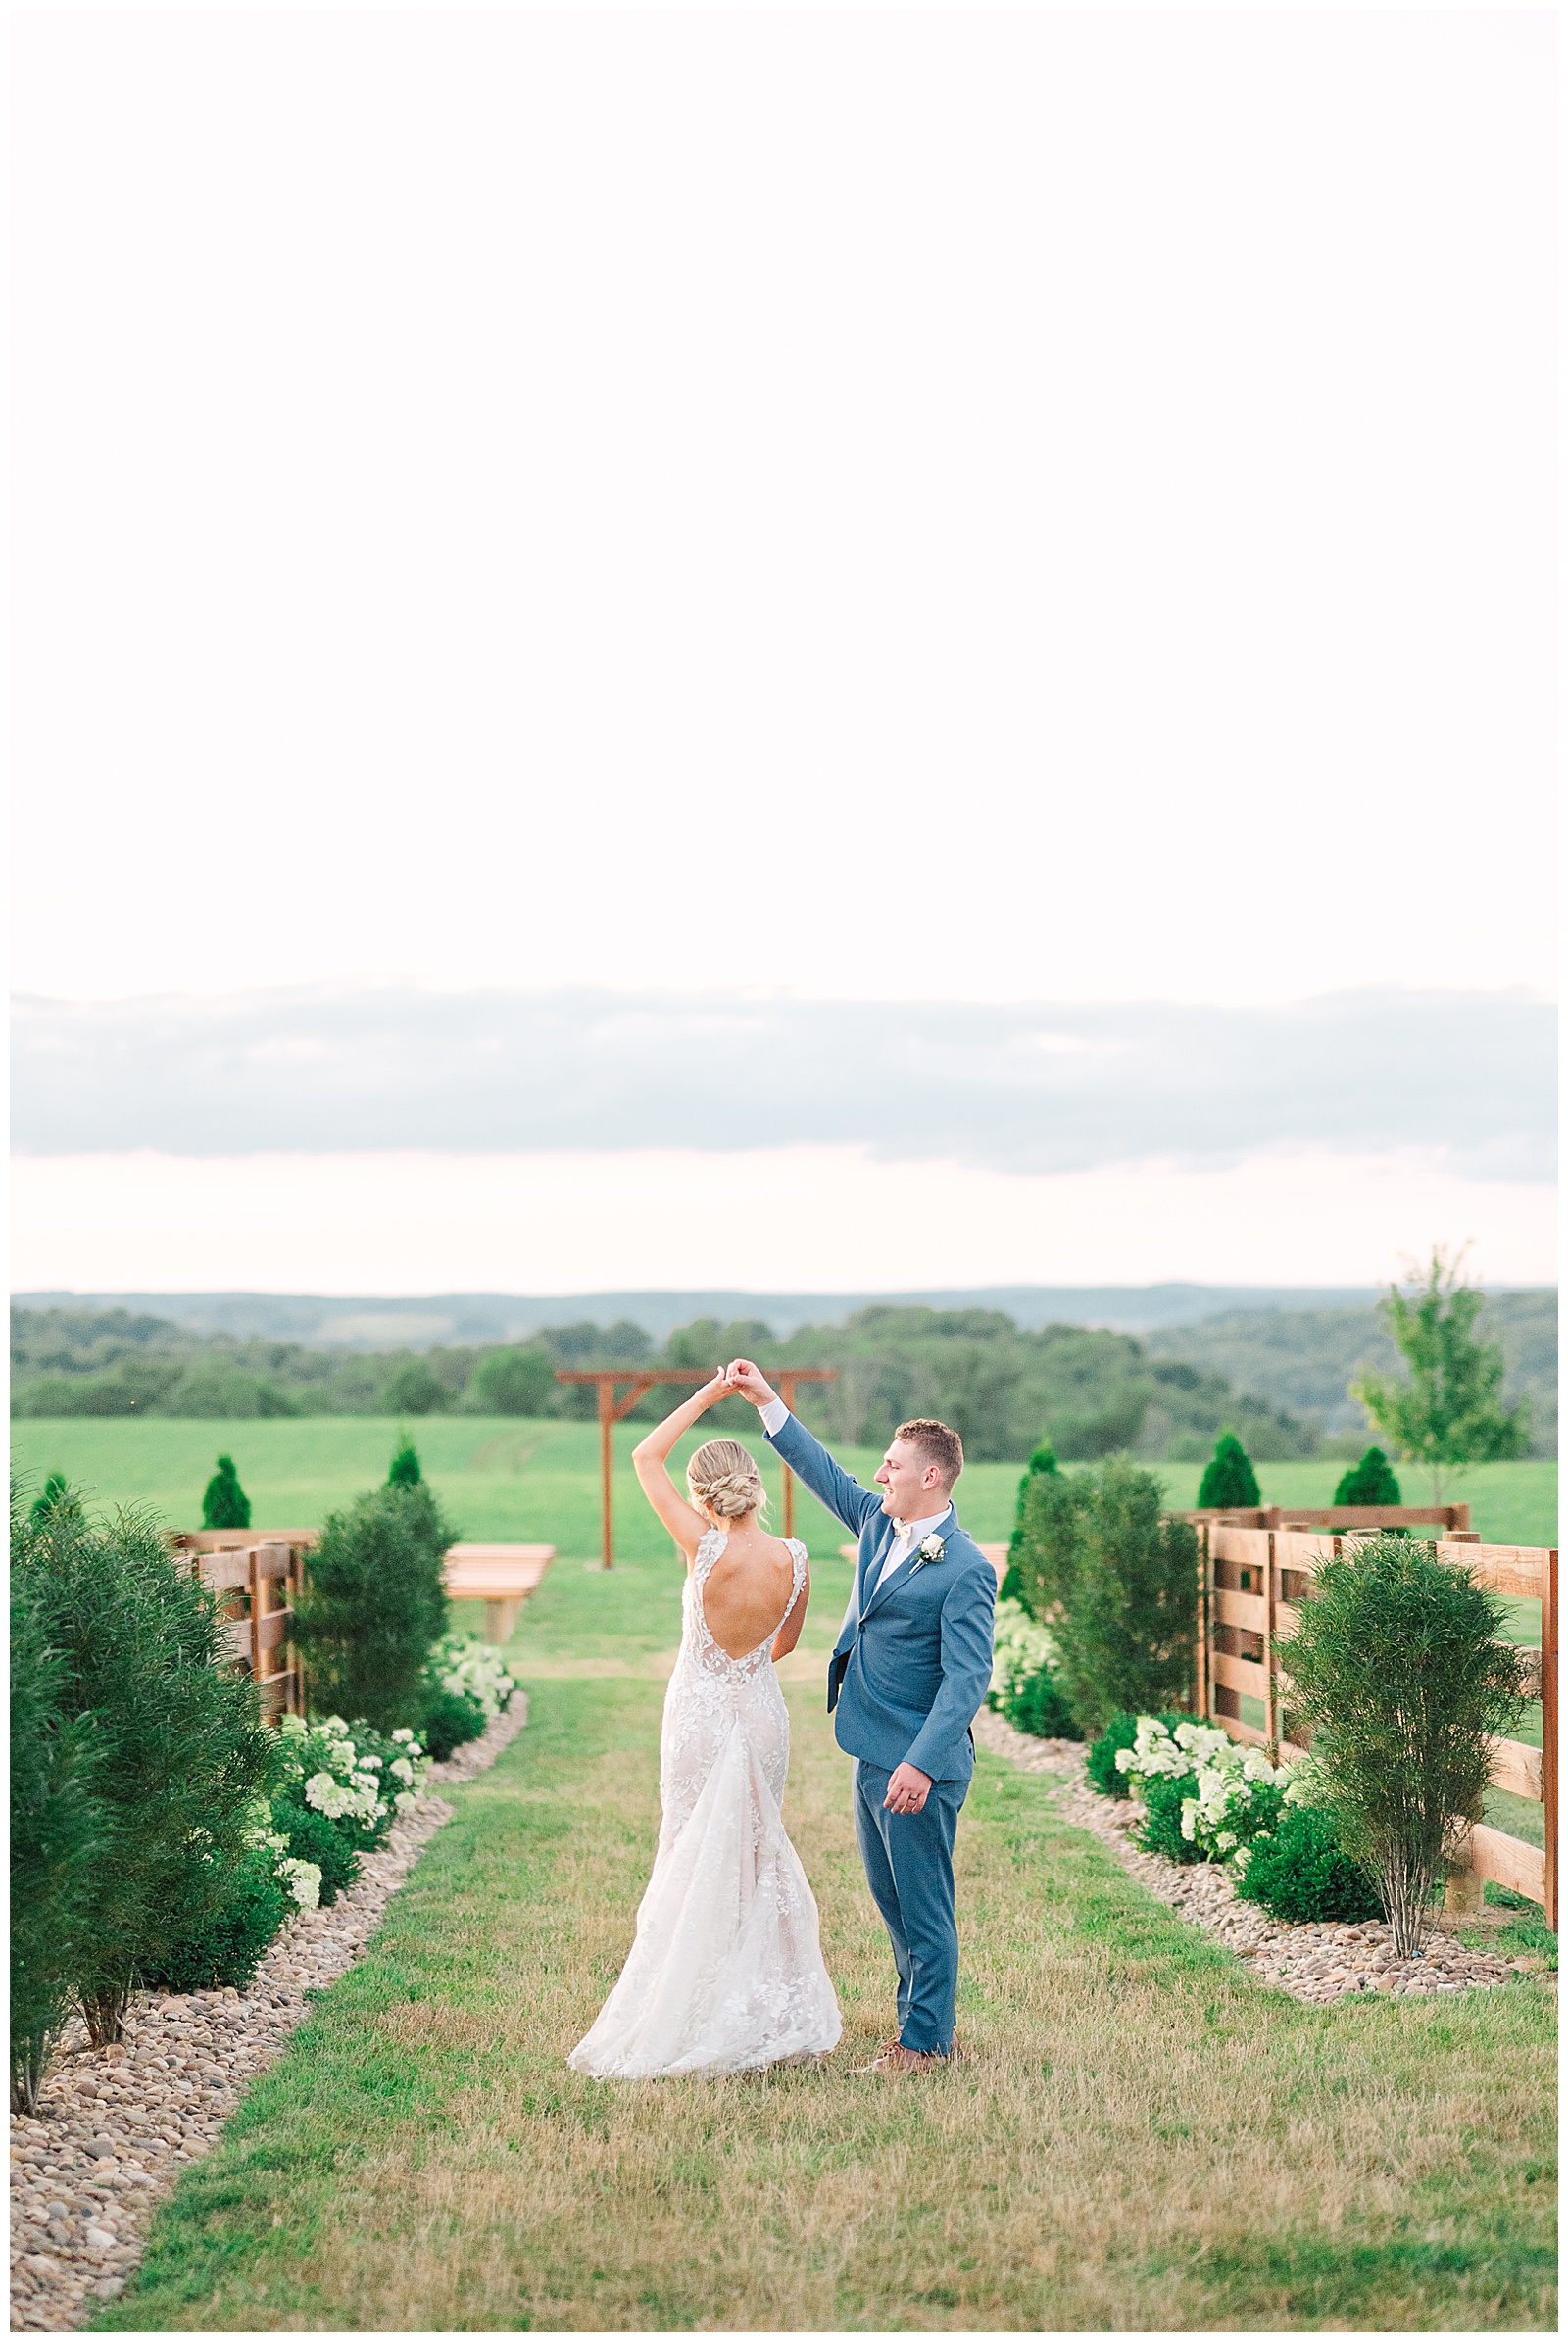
<point x="723" y="1480"/>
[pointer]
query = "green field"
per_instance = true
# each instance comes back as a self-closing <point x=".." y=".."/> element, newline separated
<point x="1141" y="2137"/>
<point x="538" y="1481"/>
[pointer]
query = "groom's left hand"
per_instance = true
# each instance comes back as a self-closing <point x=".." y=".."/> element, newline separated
<point x="908" y="1790"/>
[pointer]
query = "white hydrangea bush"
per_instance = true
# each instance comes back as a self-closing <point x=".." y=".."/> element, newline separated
<point x="354" y="1776"/>
<point x="1235" y="1791"/>
<point x="301" y="1880"/>
<point x="463" y="1663"/>
<point x="1022" y="1649"/>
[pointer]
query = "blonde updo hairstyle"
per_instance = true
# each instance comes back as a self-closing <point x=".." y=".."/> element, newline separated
<point x="724" y="1481"/>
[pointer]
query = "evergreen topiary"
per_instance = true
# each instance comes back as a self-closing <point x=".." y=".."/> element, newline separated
<point x="182" y="1753"/>
<point x="1396" y="1662"/>
<point x="225" y="1946"/>
<point x="1370" y="1482"/>
<point x="56" y="1834"/>
<point x="1229" y="1481"/>
<point x="1301" y="1871"/>
<point x="1118" y="1584"/>
<point x="405" y="1470"/>
<point x="55" y="1491"/>
<point x="374" y="1604"/>
<point x="226" y="1505"/>
<point x="1043" y="1459"/>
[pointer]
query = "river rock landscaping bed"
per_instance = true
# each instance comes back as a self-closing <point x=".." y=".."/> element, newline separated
<point x="1319" y="1962"/>
<point x="116" y="2127"/>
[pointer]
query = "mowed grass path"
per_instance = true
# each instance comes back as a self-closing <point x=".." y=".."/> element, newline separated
<point x="1141" y="2139"/>
<point x="504" y="1478"/>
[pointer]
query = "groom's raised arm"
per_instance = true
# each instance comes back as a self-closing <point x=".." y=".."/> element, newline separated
<point x="788" y="1437"/>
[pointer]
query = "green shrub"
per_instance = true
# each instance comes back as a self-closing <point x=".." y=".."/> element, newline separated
<point x="224" y="1503"/>
<point x="1370" y="1482"/>
<point x="1100" y="1762"/>
<point x="1161" y="1831"/>
<point x="1301" y="1871"/>
<point x="404" y="1471"/>
<point x="374" y="1605"/>
<point x="182" y="1754"/>
<point x="56" y="1834"/>
<point x="1037" y="1705"/>
<point x="414" y="1390"/>
<point x="450" y="1719"/>
<point x="1397" y="1665"/>
<point x="516" y="1382"/>
<point x="1117" y="1584"/>
<point x="312" y="1837"/>
<point x="227" y="1944"/>
<point x="1228" y="1481"/>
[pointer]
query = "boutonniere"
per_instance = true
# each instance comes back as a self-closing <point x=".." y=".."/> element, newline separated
<point x="932" y="1548"/>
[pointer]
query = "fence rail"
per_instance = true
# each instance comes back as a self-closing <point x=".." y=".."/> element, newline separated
<point x="1253" y="1577"/>
<point x="248" y="1575"/>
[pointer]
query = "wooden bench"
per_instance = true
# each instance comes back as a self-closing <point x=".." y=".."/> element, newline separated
<point x="500" y="1577"/>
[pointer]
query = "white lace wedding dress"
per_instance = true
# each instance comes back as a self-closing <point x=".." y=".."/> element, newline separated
<point x="726" y="1972"/>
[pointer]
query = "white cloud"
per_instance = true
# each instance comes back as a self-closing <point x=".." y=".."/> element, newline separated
<point x="1043" y="1088"/>
<point x="810" y="1219"/>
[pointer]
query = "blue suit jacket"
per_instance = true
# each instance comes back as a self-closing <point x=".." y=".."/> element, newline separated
<point x="913" y="1662"/>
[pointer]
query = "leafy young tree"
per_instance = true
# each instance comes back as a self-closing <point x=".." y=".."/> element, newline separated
<point x="1370" y="1482"/>
<point x="181" y="1750"/>
<point x="414" y="1390"/>
<point x="1228" y="1481"/>
<point x="1397" y="1666"/>
<point x="374" y="1605"/>
<point x="404" y="1471"/>
<point x="224" y="1503"/>
<point x="1450" y="1411"/>
<point x="1117" y="1584"/>
<point x="57" y="1833"/>
<point x="515" y="1382"/>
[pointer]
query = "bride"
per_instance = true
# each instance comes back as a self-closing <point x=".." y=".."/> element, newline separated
<point x="726" y="1973"/>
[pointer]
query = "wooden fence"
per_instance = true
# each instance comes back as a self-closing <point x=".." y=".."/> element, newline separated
<point x="1252" y="1582"/>
<point x="250" y="1575"/>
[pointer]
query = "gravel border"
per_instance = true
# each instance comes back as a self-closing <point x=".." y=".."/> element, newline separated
<point x="1316" y="1962"/>
<point x="116" y="2127"/>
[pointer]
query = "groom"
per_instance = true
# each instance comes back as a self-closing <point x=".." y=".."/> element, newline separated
<point x="908" y="1673"/>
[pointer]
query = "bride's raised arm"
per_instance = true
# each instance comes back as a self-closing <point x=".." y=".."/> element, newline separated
<point x="685" y="1524"/>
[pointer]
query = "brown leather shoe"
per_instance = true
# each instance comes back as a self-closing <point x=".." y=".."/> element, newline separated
<point x="898" y="2060"/>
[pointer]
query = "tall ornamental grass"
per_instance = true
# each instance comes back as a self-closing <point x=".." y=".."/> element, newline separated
<point x="179" y="1751"/>
<point x="1397" y="1666"/>
<point x="1117" y="1585"/>
<point x="374" y="1605"/>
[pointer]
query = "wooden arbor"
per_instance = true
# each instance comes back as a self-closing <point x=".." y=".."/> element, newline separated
<point x="612" y="1411"/>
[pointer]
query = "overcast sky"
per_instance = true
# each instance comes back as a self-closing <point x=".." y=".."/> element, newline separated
<point x="781" y="509"/>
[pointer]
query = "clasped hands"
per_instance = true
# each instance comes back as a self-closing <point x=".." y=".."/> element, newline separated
<point x="907" y="1787"/>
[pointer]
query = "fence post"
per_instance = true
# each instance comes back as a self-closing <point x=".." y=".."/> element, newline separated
<point x="258" y="1611"/>
<point x="1271" y="1703"/>
<point x="1548" y="1729"/>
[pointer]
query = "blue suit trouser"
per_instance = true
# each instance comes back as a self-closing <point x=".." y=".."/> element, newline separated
<point x="908" y="1868"/>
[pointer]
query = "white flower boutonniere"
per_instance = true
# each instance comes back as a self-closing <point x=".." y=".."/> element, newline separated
<point x="932" y="1548"/>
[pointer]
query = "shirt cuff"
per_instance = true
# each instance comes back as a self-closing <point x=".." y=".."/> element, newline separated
<point x="774" y="1416"/>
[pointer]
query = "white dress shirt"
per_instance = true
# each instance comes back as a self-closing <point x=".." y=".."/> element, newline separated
<point x="909" y="1532"/>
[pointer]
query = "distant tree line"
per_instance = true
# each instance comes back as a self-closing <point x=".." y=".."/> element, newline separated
<point x="1095" y="1393"/>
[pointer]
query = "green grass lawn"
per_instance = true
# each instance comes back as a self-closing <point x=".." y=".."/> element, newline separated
<point x="502" y="1478"/>
<point x="1141" y="2139"/>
